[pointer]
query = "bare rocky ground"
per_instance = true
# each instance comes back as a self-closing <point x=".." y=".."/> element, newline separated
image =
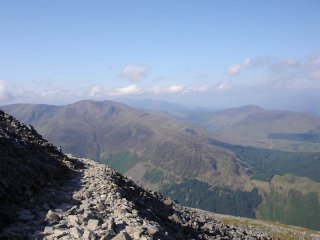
<point x="99" y="203"/>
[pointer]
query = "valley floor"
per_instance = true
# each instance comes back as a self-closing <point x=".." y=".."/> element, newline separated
<point x="99" y="203"/>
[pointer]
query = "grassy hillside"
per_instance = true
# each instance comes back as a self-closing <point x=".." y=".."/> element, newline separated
<point x="293" y="208"/>
<point x="121" y="162"/>
<point x="197" y="194"/>
<point x="263" y="164"/>
<point x="292" y="200"/>
<point x="273" y="229"/>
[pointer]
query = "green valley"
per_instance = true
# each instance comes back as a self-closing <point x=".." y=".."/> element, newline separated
<point x="263" y="164"/>
<point x="197" y="194"/>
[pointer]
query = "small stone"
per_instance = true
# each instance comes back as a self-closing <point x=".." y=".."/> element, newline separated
<point x="87" y="234"/>
<point x="93" y="224"/>
<point x="50" y="237"/>
<point x="122" y="236"/>
<point x="60" y="233"/>
<point x="48" y="230"/>
<point x="168" y="202"/>
<point x="134" y="232"/>
<point x="52" y="216"/>
<point x="152" y="230"/>
<point x="73" y="220"/>
<point x="176" y="218"/>
<point x="75" y="232"/>
<point x="106" y="235"/>
<point x="111" y="223"/>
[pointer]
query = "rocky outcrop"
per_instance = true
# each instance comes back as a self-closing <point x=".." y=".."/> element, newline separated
<point x="28" y="163"/>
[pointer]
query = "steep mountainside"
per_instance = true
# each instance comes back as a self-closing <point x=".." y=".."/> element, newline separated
<point x="134" y="142"/>
<point x="27" y="164"/>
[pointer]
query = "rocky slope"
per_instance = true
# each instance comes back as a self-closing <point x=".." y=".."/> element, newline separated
<point x="99" y="203"/>
<point x="27" y="164"/>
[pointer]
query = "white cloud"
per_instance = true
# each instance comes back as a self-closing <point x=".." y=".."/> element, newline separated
<point x="235" y="69"/>
<point x="53" y="95"/>
<point x="223" y="87"/>
<point x="201" y="88"/>
<point x="134" y="73"/>
<point x="128" y="90"/>
<point x="5" y="96"/>
<point x="247" y="62"/>
<point x="287" y="73"/>
<point x="96" y="91"/>
<point x="312" y="66"/>
<point x="177" y="89"/>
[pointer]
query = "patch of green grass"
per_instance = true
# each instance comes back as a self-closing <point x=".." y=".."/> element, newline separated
<point x="122" y="162"/>
<point x="197" y="194"/>
<point x="292" y="208"/>
<point x="265" y="163"/>
<point x="153" y="175"/>
<point x="273" y="229"/>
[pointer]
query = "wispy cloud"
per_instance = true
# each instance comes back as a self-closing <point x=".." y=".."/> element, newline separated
<point x="128" y="90"/>
<point x="5" y="95"/>
<point x="99" y="91"/>
<point x="224" y="86"/>
<point x="290" y="72"/>
<point x="96" y="91"/>
<point x="134" y="73"/>
<point x="178" y="89"/>
<point x="235" y="69"/>
<point x="48" y="95"/>
<point x="312" y="66"/>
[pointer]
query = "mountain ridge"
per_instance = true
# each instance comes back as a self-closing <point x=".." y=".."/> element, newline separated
<point x="94" y="201"/>
<point x="101" y="130"/>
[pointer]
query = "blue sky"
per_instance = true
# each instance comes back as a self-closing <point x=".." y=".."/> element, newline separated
<point x="195" y="52"/>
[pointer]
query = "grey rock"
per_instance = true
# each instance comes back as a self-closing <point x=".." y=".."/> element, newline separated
<point x="75" y="233"/>
<point x="52" y="216"/>
<point x="122" y="236"/>
<point x="93" y="224"/>
<point x="73" y="220"/>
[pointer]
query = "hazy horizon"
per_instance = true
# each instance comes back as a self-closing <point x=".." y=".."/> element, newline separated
<point x="212" y="54"/>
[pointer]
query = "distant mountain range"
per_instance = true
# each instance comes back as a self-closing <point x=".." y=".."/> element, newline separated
<point x="247" y="125"/>
<point x="134" y="141"/>
<point x="254" y="126"/>
<point x="243" y="161"/>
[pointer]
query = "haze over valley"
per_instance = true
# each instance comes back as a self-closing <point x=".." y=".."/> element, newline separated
<point x="213" y="105"/>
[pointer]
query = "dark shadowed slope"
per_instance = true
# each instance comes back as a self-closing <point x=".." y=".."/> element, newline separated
<point x="27" y="164"/>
